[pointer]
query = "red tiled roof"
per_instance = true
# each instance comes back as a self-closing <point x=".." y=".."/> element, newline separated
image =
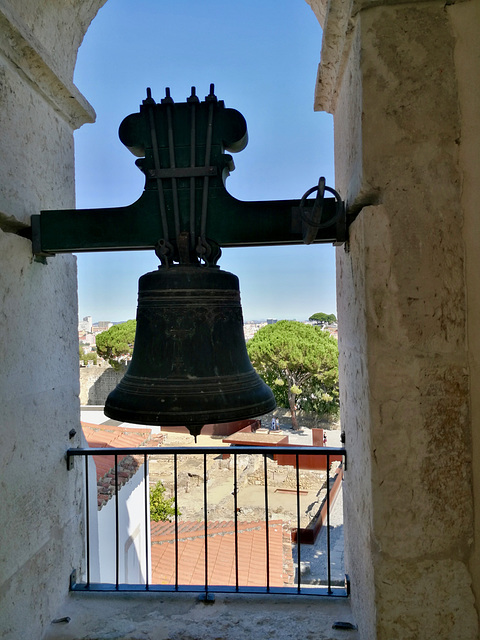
<point x="101" y="435"/>
<point x="111" y="437"/>
<point x="252" y="565"/>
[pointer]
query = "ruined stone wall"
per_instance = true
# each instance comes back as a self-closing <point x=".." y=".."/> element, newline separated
<point x="96" y="383"/>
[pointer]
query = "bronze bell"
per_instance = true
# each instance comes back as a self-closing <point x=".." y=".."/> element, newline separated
<point x="190" y="364"/>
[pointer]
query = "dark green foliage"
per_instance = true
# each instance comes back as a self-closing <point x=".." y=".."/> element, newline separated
<point x="299" y="363"/>
<point x="117" y="341"/>
<point x="326" y="318"/>
<point x="90" y="356"/>
<point x="85" y="357"/>
<point x="161" y="508"/>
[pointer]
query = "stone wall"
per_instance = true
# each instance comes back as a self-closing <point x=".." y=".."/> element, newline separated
<point x="465" y="19"/>
<point x="392" y="74"/>
<point x="400" y="78"/>
<point x="96" y="382"/>
<point x="42" y="522"/>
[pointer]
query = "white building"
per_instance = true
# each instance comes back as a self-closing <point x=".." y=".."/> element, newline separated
<point x="133" y="507"/>
<point x="86" y="324"/>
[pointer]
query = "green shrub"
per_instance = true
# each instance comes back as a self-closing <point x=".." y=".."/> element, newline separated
<point x="161" y="508"/>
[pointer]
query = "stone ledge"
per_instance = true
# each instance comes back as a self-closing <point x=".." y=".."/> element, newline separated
<point x="157" y="616"/>
<point x="33" y="62"/>
<point x="335" y="17"/>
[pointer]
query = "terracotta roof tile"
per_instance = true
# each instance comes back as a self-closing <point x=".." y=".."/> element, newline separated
<point x="111" y="437"/>
<point x="252" y="566"/>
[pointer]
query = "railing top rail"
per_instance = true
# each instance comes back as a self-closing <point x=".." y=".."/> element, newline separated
<point x="292" y="450"/>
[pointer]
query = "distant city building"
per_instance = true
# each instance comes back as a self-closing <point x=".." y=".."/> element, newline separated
<point x="333" y="331"/>
<point x="85" y="324"/>
<point x="271" y="320"/>
<point x="251" y="328"/>
<point x="87" y="333"/>
<point x="103" y="325"/>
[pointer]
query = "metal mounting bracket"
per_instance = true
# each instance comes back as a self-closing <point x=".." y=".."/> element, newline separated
<point x="70" y="461"/>
<point x="181" y="151"/>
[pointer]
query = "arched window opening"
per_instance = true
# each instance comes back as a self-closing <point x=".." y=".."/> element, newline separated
<point x="262" y="58"/>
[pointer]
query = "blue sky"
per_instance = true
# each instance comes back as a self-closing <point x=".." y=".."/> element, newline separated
<point x="262" y="58"/>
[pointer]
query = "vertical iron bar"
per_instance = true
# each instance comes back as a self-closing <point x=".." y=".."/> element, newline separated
<point x="192" y="179"/>
<point x="175" y="490"/>
<point x="156" y="159"/>
<point x="328" y="527"/>
<point x="235" y="506"/>
<point x="208" y="148"/>
<point x="171" y="150"/>
<point x="87" y="519"/>
<point x="147" y="513"/>
<point x="119" y="577"/>
<point x="117" y="541"/>
<point x="205" y="516"/>
<point x="298" y="522"/>
<point x="267" y="540"/>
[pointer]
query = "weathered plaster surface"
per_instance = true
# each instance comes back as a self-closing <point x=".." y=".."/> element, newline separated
<point x="335" y="19"/>
<point x="348" y="128"/>
<point x="39" y="171"/>
<point x="54" y="28"/>
<point x="354" y="400"/>
<point x="420" y="586"/>
<point x="41" y="518"/>
<point x="178" y="616"/>
<point x="42" y="523"/>
<point x="406" y="407"/>
<point x="465" y="20"/>
<point x="419" y="411"/>
<point x="29" y="59"/>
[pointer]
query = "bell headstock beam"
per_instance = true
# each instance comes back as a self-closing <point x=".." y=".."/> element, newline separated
<point x="185" y="212"/>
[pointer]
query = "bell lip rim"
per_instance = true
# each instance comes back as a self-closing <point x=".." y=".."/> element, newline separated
<point x="209" y="417"/>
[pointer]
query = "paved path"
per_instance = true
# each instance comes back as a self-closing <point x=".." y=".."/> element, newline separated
<point x="304" y="436"/>
<point x="313" y="558"/>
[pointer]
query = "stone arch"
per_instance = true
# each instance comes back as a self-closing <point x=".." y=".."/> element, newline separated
<point x="57" y="28"/>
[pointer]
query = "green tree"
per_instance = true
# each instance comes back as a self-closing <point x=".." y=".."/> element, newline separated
<point x="117" y="341"/>
<point x="85" y="357"/>
<point x="91" y="356"/>
<point x="323" y="317"/>
<point x="295" y="359"/>
<point x="161" y="508"/>
<point x="319" y="398"/>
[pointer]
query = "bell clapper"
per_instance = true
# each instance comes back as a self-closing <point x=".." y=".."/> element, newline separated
<point x="195" y="430"/>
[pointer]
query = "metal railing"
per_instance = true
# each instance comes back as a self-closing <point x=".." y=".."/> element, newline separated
<point x="123" y="545"/>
